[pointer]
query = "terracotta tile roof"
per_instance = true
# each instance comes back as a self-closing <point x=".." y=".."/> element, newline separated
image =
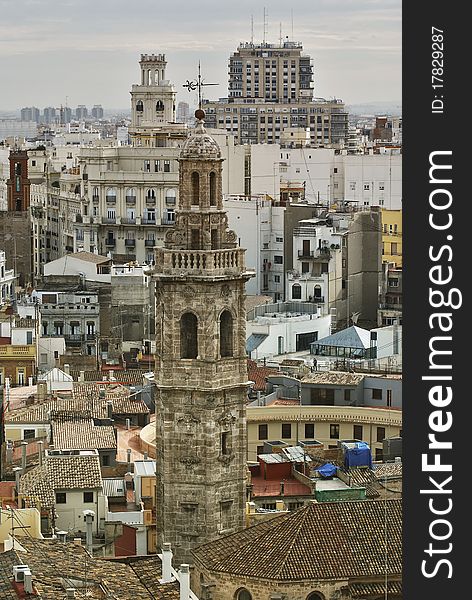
<point x="128" y="377"/>
<point x="52" y="563"/>
<point x="77" y="431"/>
<point x="333" y="378"/>
<point x="60" y="473"/>
<point x="85" y="397"/>
<point x="361" y="590"/>
<point x="258" y="375"/>
<point x="319" y="541"/>
<point x="284" y="402"/>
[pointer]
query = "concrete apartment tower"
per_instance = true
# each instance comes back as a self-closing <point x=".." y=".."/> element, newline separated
<point x="201" y="368"/>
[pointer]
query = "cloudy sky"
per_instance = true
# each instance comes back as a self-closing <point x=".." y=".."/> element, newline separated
<point x="87" y="51"/>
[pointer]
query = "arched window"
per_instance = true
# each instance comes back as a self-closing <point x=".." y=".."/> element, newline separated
<point x="195" y="188"/>
<point x="188" y="336"/>
<point x="159" y="106"/>
<point x="243" y="594"/>
<point x="212" y="189"/>
<point x="315" y="596"/>
<point x="139" y="106"/>
<point x="296" y="291"/>
<point x="317" y="291"/>
<point x="170" y="197"/>
<point x="226" y="333"/>
<point x="111" y="195"/>
<point x="131" y="195"/>
<point x="151" y="194"/>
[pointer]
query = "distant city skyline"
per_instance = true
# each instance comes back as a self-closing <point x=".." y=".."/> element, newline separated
<point x="82" y="52"/>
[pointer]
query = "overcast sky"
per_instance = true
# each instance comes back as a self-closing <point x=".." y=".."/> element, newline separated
<point x="87" y="51"/>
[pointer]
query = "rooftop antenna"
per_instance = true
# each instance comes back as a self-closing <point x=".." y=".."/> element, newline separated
<point x="280" y="34"/>
<point x="252" y="30"/>
<point x="291" y="12"/>
<point x="197" y="84"/>
<point x="265" y="26"/>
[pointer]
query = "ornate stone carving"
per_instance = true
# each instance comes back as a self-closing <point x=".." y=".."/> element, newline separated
<point x="188" y="420"/>
<point x="225" y="291"/>
<point x="226" y="420"/>
<point x="225" y="459"/>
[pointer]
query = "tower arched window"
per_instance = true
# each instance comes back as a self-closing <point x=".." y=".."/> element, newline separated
<point x="111" y="195"/>
<point x="151" y="194"/>
<point x="315" y="596"/>
<point x="296" y="291"/>
<point x="131" y="195"/>
<point x="139" y="106"/>
<point x="226" y="334"/>
<point x="195" y="188"/>
<point x="212" y="188"/>
<point x="188" y="336"/>
<point x="159" y="106"/>
<point x="243" y="594"/>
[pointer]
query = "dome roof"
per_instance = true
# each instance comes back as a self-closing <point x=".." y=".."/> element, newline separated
<point x="200" y="145"/>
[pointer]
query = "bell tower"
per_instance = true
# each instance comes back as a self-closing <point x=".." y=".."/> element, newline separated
<point x="201" y="363"/>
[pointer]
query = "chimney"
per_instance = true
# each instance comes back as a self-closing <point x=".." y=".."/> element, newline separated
<point x="128" y="456"/>
<point x="28" y="581"/>
<point x="184" y="580"/>
<point x="109" y="409"/>
<point x="67" y="368"/>
<point x="24" y="445"/>
<point x="9" y="452"/>
<point x="89" y="516"/>
<point x="41" y="390"/>
<point x="145" y="456"/>
<point x="81" y="376"/>
<point x="166" y="563"/>
<point x="78" y="541"/>
<point x="128" y="423"/>
<point x="18" y="472"/>
<point x="62" y="536"/>
<point x="40" y="452"/>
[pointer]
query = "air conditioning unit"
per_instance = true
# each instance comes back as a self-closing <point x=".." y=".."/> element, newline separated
<point x="19" y="573"/>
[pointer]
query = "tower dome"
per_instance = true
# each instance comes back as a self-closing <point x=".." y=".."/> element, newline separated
<point x="200" y="144"/>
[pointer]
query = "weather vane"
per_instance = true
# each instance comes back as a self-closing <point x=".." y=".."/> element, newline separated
<point x="197" y="84"/>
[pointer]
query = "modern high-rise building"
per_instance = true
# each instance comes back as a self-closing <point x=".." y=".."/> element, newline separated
<point x="49" y="115"/>
<point x="81" y="112"/>
<point x="201" y="365"/>
<point x="97" y="111"/>
<point x="270" y="99"/>
<point x="30" y="113"/>
<point x="183" y="112"/>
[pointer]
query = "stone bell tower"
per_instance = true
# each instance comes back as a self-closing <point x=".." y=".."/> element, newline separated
<point x="201" y="366"/>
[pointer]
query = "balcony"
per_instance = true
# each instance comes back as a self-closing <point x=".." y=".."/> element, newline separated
<point x="166" y="221"/>
<point x="17" y="352"/>
<point x="148" y="221"/>
<point x="109" y="220"/>
<point x="150" y="201"/>
<point x="149" y="243"/>
<point x="320" y="253"/>
<point x="110" y="242"/>
<point x="170" y="201"/>
<point x="130" y="243"/>
<point x="95" y="198"/>
<point x="128" y="221"/>
<point x="111" y="199"/>
<point x="200" y="262"/>
<point x="90" y="337"/>
<point x="130" y="199"/>
<point x="74" y="339"/>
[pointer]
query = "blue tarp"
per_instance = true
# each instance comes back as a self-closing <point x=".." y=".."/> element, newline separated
<point x="327" y="470"/>
<point x="359" y="456"/>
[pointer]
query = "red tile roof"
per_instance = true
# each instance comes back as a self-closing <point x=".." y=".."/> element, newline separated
<point x="258" y="375"/>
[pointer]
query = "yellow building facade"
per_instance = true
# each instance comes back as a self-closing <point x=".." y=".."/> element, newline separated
<point x="392" y="236"/>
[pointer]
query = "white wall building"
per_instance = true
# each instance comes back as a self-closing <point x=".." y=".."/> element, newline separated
<point x="7" y="281"/>
<point x="274" y="329"/>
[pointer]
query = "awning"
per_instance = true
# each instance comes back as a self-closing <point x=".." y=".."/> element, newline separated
<point x="255" y="340"/>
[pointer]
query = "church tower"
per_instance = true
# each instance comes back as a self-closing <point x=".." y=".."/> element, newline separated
<point x="201" y="364"/>
<point x="152" y="100"/>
